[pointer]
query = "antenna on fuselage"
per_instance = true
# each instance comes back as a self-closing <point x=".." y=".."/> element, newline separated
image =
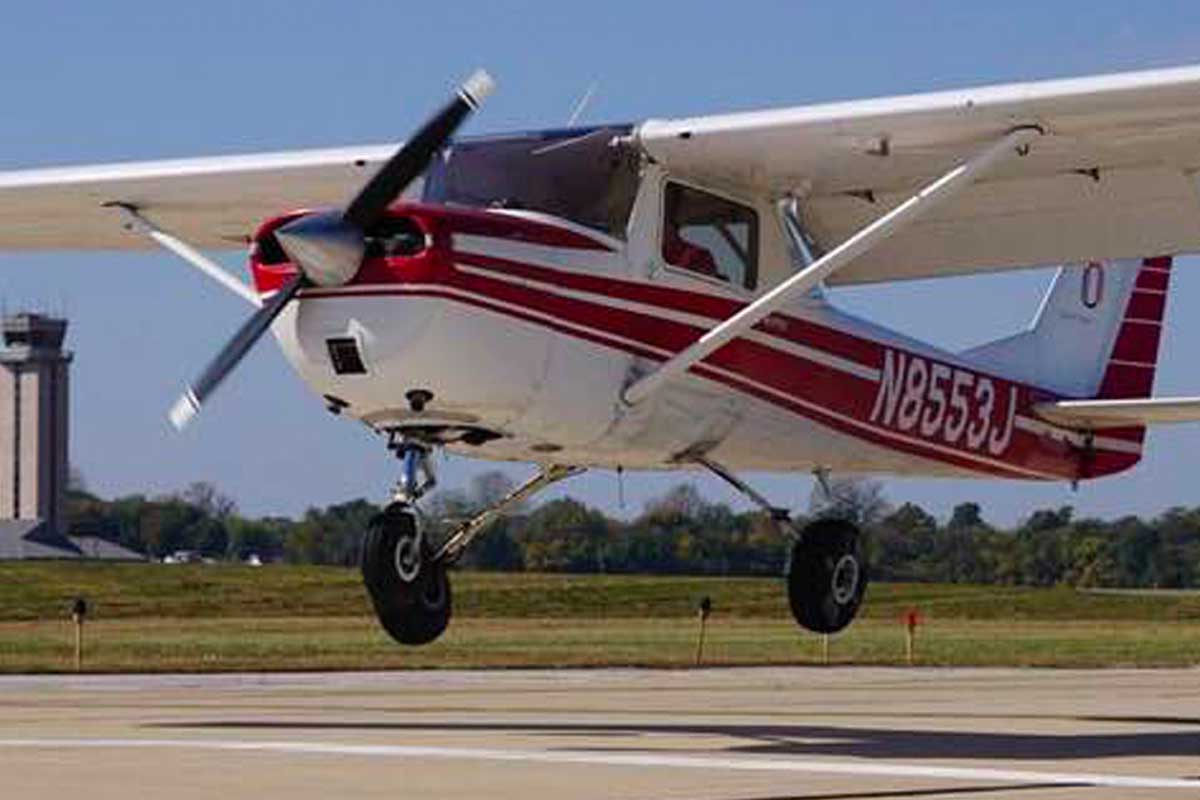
<point x="582" y="105"/>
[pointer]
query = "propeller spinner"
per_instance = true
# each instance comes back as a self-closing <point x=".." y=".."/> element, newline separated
<point x="328" y="247"/>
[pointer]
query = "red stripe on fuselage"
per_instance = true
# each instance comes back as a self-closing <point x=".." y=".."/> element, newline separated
<point x="794" y="329"/>
<point x="806" y="387"/>
<point x="771" y="393"/>
<point x="878" y="435"/>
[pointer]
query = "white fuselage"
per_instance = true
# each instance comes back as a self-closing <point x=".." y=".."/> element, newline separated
<point x="533" y="342"/>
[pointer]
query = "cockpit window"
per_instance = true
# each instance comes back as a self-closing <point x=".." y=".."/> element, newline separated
<point x="578" y="174"/>
<point x="710" y="236"/>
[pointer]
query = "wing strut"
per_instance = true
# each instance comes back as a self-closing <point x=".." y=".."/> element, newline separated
<point x="920" y="204"/>
<point x="139" y="224"/>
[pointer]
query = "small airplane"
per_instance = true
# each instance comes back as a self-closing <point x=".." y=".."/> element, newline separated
<point x="653" y="295"/>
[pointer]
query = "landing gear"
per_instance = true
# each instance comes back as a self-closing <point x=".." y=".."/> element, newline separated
<point x="826" y="576"/>
<point x="409" y="589"/>
<point x="826" y="572"/>
<point x="406" y="575"/>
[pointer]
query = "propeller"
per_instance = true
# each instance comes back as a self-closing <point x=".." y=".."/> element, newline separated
<point x="328" y="246"/>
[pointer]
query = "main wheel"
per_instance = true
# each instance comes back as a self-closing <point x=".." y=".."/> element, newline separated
<point x="827" y="576"/>
<point x="409" y="590"/>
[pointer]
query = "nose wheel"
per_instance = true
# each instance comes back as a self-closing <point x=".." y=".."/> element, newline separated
<point x="406" y="575"/>
<point x="408" y="587"/>
<point x="406" y="581"/>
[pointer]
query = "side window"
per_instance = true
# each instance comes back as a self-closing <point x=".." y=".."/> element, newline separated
<point x="709" y="235"/>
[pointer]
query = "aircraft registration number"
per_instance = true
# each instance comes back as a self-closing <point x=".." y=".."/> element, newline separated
<point x="952" y="405"/>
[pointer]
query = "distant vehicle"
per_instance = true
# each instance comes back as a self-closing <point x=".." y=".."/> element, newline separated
<point x="253" y="560"/>
<point x="651" y="296"/>
<point x="184" y="557"/>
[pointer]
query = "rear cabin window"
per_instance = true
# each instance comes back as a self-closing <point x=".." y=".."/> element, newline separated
<point x="710" y="236"/>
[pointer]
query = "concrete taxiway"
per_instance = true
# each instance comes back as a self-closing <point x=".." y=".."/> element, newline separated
<point x="731" y="733"/>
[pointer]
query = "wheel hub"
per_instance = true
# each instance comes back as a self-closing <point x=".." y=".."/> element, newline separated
<point x="844" y="581"/>
<point x="408" y="558"/>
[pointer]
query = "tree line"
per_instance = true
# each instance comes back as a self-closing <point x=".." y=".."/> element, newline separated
<point x="679" y="532"/>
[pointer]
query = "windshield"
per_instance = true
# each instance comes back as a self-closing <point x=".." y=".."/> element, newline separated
<point x="577" y="174"/>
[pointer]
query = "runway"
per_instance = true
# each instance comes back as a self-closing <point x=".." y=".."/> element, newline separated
<point x="752" y="734"/>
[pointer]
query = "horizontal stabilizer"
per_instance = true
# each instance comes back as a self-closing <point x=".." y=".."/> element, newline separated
<point x="1097" y="414"/>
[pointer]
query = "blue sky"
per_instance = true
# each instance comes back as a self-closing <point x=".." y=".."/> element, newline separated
<point x="89" y="82"/>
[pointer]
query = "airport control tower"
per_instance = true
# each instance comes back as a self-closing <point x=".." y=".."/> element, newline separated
<point x="33" y="420"/>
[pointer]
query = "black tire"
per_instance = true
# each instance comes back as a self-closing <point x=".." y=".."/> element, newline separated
<point x="413" y="612"/>
<point x="827" y="576"/>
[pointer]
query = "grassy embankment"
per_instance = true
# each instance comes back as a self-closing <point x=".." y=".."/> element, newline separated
<point x="155" y="617"/>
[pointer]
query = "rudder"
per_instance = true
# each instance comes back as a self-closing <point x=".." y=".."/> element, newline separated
<point x="1129" y="372"/>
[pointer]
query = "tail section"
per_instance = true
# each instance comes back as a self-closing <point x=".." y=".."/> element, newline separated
<point x="1123" y="407"/>
<point x="1096" y="334"/>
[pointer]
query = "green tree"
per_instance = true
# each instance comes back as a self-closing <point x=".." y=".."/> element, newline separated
<point x="565" y="536"/>
<point x="903" y="544"/>
<point x="332" y="535"/>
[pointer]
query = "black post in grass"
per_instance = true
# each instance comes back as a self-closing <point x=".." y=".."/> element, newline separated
<point x="79" y="611"/>
<point x="705" y="610"/>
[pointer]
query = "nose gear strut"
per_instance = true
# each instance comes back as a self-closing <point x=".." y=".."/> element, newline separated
<point x="417" y="476"/>
<point x="404" y="573"/>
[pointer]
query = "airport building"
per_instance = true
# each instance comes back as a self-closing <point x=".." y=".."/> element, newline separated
<point x="34" y="463"/>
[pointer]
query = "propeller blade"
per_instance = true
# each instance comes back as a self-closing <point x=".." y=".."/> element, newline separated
<point x="414" y="155"/>
<point x="189" y="403"/>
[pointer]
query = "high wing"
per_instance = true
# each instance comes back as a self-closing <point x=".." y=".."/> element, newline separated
<point x="1114" y="176"/>
<point x="214" y="202"/>
<point x="1099" y="414"/>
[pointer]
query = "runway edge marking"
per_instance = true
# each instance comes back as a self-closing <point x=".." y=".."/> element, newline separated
<point x="763" y="764"/>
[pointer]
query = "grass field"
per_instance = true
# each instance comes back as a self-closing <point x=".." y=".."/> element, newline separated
<point x="204" y="618"/>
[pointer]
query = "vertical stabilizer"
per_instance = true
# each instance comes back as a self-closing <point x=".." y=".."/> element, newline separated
<point x="1096" y="333"/>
